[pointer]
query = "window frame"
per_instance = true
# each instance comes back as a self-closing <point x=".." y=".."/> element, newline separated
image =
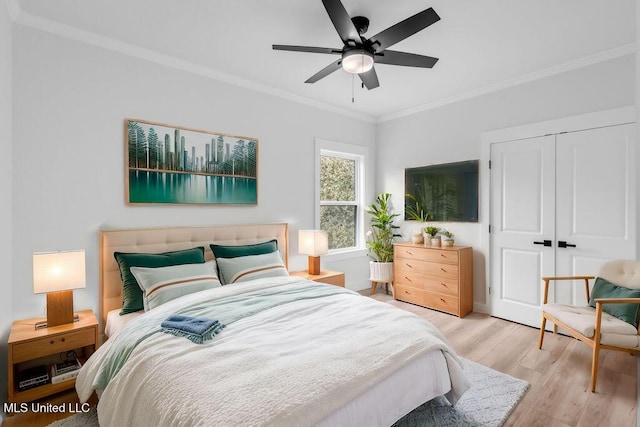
<point x="359" y="155"/>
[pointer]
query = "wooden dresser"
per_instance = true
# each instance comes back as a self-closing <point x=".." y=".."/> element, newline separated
<point x="434" y="277"/>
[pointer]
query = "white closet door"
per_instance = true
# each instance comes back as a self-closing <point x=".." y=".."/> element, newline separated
<point x="522" y="218"/>
<point x="595" y="203"/>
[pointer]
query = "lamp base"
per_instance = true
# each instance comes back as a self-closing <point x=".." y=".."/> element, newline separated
<point x="314" y="265"/>
<point x="59" y="308"/>
<point x="43" y="324"/>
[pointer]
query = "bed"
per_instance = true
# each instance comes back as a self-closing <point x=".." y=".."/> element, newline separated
<point x="293" y="352"/>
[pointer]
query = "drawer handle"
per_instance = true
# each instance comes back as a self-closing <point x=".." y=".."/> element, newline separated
<point x="410" y="253"/>
<point x="62" y="340"/>
<point x="406" y="292"/>
<point x="443" y="284"/>
<point x="443" y="270"/>
<point x="443" y="255"/>
<point x="409" y="265"/>
<point x="52" y="342"/>
<point x="409" y="280"/>
<point x="443" y="300"/>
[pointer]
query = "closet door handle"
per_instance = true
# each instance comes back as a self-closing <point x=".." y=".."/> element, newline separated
<point x="544" y="242"/>
<point x="563" y="244"/>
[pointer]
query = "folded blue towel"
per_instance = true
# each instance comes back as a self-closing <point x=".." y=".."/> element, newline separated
<point x="196" y="329"/>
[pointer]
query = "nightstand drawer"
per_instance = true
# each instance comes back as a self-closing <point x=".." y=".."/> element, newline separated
<point x="46" y="346"/>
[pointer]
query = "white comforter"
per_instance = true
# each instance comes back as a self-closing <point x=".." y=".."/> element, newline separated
<point x="293" y="364"/>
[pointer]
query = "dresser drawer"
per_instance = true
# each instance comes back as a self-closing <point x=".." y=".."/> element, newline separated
<point x="46" y="346"/>
<point x="441" y="255"/>
<point x="409" y="278"/>
<point x="446" y="271"/>
<point x="441" y="302"/>
<point x="409" y="266"/>
<point x="409" y="252"/>
<point x="443" y="286"/>
<point x="409" y="294"/>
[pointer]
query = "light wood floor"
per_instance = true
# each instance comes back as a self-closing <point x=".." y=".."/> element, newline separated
<point x="558" y="374"/>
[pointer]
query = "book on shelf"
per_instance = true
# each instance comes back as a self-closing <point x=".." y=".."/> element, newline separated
<point x="65" y="370"/>
<point x="33" y="377"/>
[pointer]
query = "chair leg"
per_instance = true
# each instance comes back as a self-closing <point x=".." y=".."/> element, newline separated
<point x="594" y="367"/>
<point x="544" y="323"/>
<point x="373" y="287"/>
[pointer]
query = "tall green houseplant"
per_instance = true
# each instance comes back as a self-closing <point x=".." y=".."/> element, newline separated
<point x="380" y="237"/>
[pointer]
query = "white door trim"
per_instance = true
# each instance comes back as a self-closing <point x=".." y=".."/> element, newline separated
<point x="616" y="116"/>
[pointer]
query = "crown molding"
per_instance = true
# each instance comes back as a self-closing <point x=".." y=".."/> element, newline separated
<point x="14" y="9"/>
<point x="617" y="52"/>
<point x="91" y="38"/>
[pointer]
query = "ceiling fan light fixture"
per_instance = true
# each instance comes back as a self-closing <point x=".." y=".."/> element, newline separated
<point x="357" y="61"/>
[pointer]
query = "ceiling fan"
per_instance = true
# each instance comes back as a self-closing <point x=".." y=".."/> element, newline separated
<point x="358" y="54"/>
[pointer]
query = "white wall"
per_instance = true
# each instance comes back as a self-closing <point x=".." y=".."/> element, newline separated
<point x="70" y="102"/>
<point x="452" y="133"/>
<point x="6" y="252"/>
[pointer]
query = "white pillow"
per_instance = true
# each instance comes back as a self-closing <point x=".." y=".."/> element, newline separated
<point x="243" y="268"/>
<point x="162" y="284"/>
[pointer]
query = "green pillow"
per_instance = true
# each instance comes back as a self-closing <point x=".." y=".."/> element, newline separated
<point x="627" y="312"/>
<point x="132" y="292"/>
<point x="234" y="251"/>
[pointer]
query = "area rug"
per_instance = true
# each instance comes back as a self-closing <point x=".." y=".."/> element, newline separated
<point x="488" y="403"/>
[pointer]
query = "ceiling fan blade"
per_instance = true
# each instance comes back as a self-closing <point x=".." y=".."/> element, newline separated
<point x="342" y="21"/>
<point x="393" y="57"/>
<point x="309" y="49"/>
<point x="403" y="29"/>
<point x="334" y="66"/>
<point x="370" y="79"/>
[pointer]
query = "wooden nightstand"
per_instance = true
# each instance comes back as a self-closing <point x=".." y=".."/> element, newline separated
<point x="30" y="347"/>
<point x="327" y="276"/>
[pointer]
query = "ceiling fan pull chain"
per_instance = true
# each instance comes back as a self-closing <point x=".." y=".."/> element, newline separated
<point x="353" y="88"/>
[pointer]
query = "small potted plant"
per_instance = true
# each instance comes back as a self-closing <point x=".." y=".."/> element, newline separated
<point x="431" y="235"/>
<point x="447" y="237"/>
<point x="380" y="239"/>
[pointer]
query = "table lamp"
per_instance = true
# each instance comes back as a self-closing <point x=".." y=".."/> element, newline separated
<point x="313" y="243"/>
<point x="57" y="274"/>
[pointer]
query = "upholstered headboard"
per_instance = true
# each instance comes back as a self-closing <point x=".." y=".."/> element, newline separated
<point x="153" y="240"/>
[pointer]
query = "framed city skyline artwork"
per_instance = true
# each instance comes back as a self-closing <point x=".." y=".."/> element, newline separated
<point x="174" y="165"/>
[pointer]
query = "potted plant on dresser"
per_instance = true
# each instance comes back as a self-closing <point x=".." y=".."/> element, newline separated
<point x="430" y="235"/>
<point x="380" y="240"/>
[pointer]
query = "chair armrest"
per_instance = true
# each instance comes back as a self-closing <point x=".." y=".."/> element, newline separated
<point x="617" y="301"/>
<point x="545" y="278"/>
<point x="599" y="302"/>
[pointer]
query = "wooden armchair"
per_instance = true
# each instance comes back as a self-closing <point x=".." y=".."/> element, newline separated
<point x="598" y="329"/>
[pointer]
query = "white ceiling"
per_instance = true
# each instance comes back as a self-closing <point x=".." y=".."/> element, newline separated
<point x="481" y="44"/>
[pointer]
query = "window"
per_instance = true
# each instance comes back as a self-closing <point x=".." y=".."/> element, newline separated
<point x="340" y="179"/>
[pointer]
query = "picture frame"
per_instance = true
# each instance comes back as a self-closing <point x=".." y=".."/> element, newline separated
<point x="167" y="164"/>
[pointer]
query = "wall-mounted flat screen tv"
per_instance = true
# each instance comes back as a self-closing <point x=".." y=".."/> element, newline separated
<point x="445" y="192"/>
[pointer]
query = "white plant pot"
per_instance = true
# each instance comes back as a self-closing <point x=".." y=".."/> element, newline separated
<point x="435" y="242"/>
<point x="380" y="271"/>
<point x="447" y="242"/>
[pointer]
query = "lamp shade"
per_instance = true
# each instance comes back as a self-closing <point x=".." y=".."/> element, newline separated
<point x="313" y="242"/>
<point x="58" y="271"/>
